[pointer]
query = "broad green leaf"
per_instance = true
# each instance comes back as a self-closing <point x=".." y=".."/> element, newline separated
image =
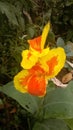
<point x="28" y="102"/>
<point x="60" y="42"/>
<point x="50" y="86"/>
<point x="51" y="124"/>
<point x="59" y="103"/>
<point x="69" y="122"/>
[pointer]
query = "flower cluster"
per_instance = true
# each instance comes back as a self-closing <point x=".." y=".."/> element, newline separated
<point x="39" y="65"/>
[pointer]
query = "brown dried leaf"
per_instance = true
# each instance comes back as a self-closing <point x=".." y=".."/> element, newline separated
<point x="58" y="82"/>
<point x="71" y="64"/>
<point x="66" y="78"/>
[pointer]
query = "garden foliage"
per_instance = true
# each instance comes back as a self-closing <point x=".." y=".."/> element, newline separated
<point x="19" y="21"/>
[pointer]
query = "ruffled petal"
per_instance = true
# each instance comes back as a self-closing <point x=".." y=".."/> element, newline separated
<point x="32" y="83"/>
<point x="53" y="62"/>
<point x="18" y="81"/>
<point x="28" y="59"/>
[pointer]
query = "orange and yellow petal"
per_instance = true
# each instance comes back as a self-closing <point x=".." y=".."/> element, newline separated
<point x="35" y="43"/>
<point x="53" y="62"/>
<point x="18" y="81"/>
<point x="28" y="59"/>
<point x="31" y="83"/>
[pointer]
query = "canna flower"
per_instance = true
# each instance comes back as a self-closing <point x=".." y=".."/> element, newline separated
<point x="39" y="65"/>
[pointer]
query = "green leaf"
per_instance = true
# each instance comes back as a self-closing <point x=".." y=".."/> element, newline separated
<point x="69" y="3"/>
<point x="10" y="12"/>
<point x="51" y="37"/>
<point x="69" y="122"/>
<point x="60" y="42"/>
<point x="50" y="124"/>
<point x="1" y="102"/>
<point x="31" y="31"/>
<point x="59" y="103"/>
<point x="13" y="13"/>
<point x="28" y="102"/>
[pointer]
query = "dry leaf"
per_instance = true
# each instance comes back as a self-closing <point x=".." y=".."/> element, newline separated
<point x="67" y="78"/>
<point x="58" y="82"/>
<point x="71" y="64"/>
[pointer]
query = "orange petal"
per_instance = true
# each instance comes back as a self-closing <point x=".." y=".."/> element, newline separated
<point x="35" y="43"/>
<point x="51" y="64"/>
<point x="37" y="86"/>
<point x="32" y="82"/>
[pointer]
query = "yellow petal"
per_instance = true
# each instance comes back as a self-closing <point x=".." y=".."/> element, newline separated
<point x="44" y="52"/>
<point x="40" y="54"/>
<point x="53" y="62"/>
<point x="28" y="59"/>
<point x="17" y="81"/>
<point x="44" y="34"/>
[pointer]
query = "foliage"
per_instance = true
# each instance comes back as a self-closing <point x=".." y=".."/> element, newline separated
<point x="13" y="34"/>
<point x="58" y="103"/>
<point x="19" y="21"/>
<point x="61" y="17"/>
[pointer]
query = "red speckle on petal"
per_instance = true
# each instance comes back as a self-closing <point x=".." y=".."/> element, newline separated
<point x="35" y="81"/>
<point x="37" y="69"/>
<point x="29" y="55"/>
<point x="24" y="80"/>
<point x="51" y="64"/>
